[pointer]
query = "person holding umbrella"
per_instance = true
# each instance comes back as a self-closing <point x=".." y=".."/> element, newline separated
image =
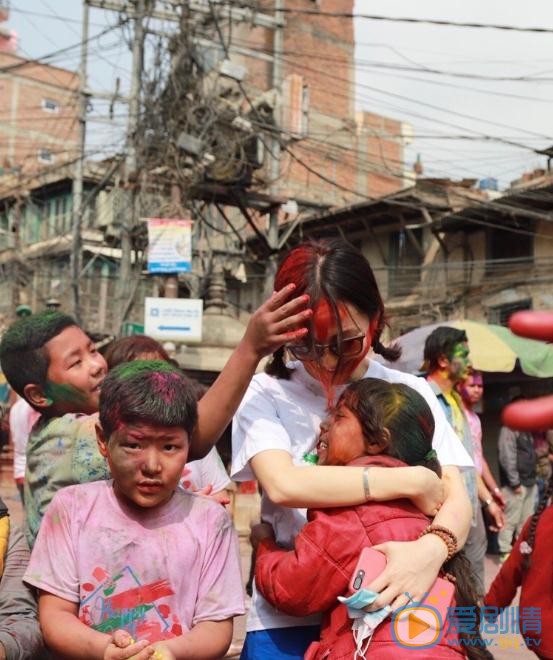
<point x="447" y="363"/>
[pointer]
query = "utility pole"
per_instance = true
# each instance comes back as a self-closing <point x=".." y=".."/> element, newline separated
<point x="77" y="219"/>
<point x="274" y="168"/>
<point x="131" y="215"/>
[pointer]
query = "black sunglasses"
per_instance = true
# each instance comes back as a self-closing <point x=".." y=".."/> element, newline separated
<point x="347" y="348"/>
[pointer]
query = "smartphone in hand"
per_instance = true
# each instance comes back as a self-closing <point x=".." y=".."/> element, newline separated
<point x="372" y="562"/>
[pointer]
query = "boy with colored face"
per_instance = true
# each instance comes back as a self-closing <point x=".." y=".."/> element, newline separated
<point x="133" y="566"/>
<point x="446" y="359"/>
<point x="53" y="364"/>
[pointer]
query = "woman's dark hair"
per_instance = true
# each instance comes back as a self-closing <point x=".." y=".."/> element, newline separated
<point x="531" y="537"/>
<point x="336" y="272"/>
<point x="405" y="415"/>
<point x="131" y="348"/>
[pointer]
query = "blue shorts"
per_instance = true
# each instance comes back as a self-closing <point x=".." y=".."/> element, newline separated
<point x="285" y="643"/>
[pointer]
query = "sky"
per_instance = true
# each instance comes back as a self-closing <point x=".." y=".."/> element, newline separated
<point x="460" y="123"/>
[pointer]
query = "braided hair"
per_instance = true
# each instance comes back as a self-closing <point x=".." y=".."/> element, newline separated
<point x="531" y="537"/>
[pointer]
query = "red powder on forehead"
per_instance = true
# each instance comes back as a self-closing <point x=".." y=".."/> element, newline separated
<point x="324" y="317"/>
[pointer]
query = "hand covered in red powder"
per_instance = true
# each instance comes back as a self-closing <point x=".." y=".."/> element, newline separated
<point x="278" y="321"/>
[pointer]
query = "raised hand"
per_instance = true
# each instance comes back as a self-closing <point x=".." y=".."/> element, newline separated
<point x="278" y="321"/>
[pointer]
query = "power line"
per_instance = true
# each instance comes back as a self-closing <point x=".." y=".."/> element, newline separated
<point x="397" y="19"/>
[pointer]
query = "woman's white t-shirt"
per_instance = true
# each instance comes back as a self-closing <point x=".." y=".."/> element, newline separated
<point x="286" y="414"/>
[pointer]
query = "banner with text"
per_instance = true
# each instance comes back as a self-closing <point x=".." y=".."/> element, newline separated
<point x="169" y="245"/>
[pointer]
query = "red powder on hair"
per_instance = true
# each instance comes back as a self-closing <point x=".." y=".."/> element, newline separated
<point x="294" y="269"/>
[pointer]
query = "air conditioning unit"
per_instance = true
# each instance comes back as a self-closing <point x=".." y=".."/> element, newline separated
<point x="110" y="205"/>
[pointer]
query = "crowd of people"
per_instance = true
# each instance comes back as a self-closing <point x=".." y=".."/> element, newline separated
<point x="133" y="554"/>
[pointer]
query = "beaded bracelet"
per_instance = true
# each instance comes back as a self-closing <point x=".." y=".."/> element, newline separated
<point x="447" y="536"/>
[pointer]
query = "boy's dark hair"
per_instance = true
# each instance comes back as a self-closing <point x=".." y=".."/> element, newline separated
<point x="131" y="348"/>
<point x="23" y="354"/>
<point x="441" y="341"/>
<point x="148" y="392"/>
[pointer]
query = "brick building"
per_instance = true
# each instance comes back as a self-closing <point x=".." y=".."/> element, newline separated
<point x="359" y="151"/>
<point x="38" y="117"/>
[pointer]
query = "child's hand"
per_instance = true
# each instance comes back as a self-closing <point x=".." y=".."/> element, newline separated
<point x="220" y="497"/>
<point x="122" y="646"/>
<point x="277" y="322"/>
<point x="163" y="653"/>
<point x="259" y="532"/>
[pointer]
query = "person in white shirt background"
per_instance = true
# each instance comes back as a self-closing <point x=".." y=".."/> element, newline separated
<point x="21" y="421"/>
<point x="275" y="432"/>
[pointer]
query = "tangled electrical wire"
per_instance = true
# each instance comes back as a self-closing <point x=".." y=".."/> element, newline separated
<point x="192" y="127"/>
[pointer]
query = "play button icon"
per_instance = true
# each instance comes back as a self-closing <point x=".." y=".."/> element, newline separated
<point x="417" y="626"/>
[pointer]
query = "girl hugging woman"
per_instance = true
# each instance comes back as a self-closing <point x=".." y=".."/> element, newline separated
<point x="374" y="423"/>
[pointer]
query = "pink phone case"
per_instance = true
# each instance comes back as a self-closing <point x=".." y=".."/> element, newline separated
<point x="369" y="566"/>
<point x="372" y="562"/>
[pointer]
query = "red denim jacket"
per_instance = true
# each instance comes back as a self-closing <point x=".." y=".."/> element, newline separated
<point x="309" y="578"/>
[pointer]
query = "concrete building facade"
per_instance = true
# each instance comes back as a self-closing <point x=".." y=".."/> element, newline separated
<point x="38" y="116"/>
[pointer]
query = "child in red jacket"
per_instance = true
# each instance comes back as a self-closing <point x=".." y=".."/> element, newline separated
<point x="374" y="423"/>
<point x="530" y="566"/>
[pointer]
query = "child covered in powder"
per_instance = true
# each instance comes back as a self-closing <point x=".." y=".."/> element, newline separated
<point x="54" y="365"/>
<point x="133" y="566"/>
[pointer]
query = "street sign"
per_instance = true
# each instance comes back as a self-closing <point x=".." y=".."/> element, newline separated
<point x="169" y="245"/>
<point x="175" y="319"/>
<point x="130" y="328"/>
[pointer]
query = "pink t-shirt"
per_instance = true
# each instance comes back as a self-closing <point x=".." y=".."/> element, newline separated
<point x="155" y="573"/>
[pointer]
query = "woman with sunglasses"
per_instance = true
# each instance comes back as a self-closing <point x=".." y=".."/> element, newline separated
<point x="275" y="433"/>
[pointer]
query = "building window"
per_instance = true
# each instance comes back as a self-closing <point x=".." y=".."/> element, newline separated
<point x="506" y="250"/>
<point x="404" y="262"/>
<point x="49" y="105"/>
<point x="45" y="156"/>
<point x="500" y="315"/>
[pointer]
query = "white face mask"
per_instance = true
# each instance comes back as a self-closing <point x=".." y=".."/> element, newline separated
<point x="364" y="623"/>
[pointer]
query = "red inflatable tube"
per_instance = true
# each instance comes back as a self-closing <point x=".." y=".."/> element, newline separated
<point x="534" y="325"/>
<point x="535" y="414"/>
<point x="531" y="415"/>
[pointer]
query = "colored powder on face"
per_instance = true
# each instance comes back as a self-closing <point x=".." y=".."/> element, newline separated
<point x="64" y="393"/>
<point x="324" y="318"/>
<point x="326" y="324"/>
